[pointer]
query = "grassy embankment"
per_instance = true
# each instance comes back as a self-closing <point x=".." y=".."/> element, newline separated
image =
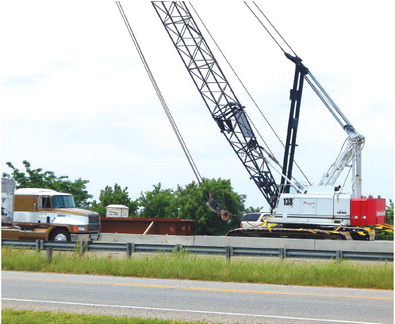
<point x="181" y="265"/>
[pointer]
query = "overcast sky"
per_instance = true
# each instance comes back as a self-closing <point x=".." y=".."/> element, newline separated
<point x="75" y="98"/>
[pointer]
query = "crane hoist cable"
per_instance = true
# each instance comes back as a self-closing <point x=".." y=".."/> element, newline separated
<point x="248" y="92"/>
<point x="160" y="96"/>
<point x="273" y="27"/>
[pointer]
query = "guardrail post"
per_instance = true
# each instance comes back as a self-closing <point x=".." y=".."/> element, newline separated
<point x="339" y="254"/>
<point x="282" y="253"/>
<point x="39" y="245"/>
<point x="229" y="252"/>
<point x="178" y="247"/>
<point x="49" y="254"/>
<point x="83" y="245"/>
<point x="129" y="249"/>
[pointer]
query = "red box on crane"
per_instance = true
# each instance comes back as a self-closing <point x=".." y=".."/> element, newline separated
<point x="367" y="211"/>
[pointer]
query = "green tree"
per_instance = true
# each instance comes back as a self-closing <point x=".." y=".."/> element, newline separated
<point x="37" y="178"/>
<point x="158" y="203"/>
<point x="253" y="209"/>
<point x="191" y="202"/>
<point x="386" y="234"/>
<point x="116" y="195"/>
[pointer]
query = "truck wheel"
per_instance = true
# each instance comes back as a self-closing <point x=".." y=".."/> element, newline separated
<point x="60" y="235"/>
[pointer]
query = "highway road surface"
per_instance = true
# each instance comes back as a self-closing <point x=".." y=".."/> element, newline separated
<point x="218" y="302"/>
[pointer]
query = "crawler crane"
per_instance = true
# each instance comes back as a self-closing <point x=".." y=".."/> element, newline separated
<point x="297" y="210"/>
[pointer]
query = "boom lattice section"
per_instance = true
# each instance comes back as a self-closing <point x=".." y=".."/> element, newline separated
<point x="217" y="94"/>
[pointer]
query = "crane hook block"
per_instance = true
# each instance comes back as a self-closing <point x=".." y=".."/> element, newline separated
<point x="214" y="206"/>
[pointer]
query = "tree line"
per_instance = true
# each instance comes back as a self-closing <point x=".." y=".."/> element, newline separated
<point x="187" y="202"/>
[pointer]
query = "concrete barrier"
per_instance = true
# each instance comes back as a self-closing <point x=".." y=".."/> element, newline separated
<point x="247" y="242"/>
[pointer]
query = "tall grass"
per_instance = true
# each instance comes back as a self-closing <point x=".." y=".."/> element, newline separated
<point x="181" y="265"/>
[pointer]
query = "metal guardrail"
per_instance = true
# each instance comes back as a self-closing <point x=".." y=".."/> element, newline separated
<point x="228" y="251"/>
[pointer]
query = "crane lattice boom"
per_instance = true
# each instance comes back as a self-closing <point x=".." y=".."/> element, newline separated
<point x="217" y="94"/>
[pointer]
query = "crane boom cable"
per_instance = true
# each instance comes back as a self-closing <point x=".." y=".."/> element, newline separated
<point x="263" y="25"/>
<point x="283" y="50"/>
<point x="274" y="28"/>
<point x="251" y="98"/>
<point x="160" y="96"/>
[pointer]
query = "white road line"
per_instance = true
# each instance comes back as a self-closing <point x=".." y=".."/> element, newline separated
<point x="187" y="311"/>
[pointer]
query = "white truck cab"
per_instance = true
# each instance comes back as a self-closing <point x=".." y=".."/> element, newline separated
<point x="38" y="213"/>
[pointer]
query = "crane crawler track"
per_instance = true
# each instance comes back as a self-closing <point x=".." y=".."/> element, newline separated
<point x="322" y="233"/>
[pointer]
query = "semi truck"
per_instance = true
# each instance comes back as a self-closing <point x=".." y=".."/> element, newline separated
<point x="44" y="214"/>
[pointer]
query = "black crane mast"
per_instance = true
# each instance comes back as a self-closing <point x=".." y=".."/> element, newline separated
<point x="293" y="121"/>
<point x="217" y="94"/>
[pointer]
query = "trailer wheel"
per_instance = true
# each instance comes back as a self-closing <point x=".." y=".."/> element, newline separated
<point x="60" y="235"/>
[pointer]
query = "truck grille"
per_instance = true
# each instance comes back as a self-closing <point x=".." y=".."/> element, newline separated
<point x="94" y="223"/>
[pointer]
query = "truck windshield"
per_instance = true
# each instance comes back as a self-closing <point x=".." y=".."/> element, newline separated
<point x="63" y="201"/>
